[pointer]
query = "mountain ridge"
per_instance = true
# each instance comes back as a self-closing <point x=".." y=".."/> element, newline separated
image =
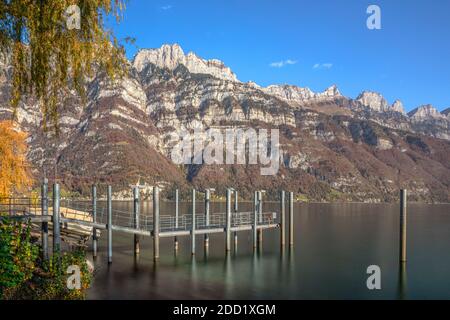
<point x="333" y="147"/>
<point x="171" y="55"/>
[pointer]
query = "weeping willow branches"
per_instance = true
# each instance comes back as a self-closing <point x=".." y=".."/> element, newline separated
<point x="48" y="58"/>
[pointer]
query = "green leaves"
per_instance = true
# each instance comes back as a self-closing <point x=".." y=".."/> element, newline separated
<point x="55" y="284"/>
<point x="23" y="275"/>
<point x="17" y="254"/>
<point x="50" y="59"/>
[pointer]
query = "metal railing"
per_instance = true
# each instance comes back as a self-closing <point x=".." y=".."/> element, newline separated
<point x="20" y="206"/>
<point x="81" y="210"/>
<point x="85" y="218"/>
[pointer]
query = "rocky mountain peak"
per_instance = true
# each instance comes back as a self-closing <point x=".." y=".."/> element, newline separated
<point x="425" y="112"/>
<point x="289" y="92"/>
<point x="296" y="94"/>
<point x="331" y="91"/>
<point x="373" y="100"/>
<point x="168" y="56"/>
<point x="171" y="56"/>
<point x="446" y="113"/>
<point x="398" y="106"/>
<point x="253" y="84"/>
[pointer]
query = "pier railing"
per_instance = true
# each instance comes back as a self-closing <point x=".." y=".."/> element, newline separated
<point x="67" y="218"/>
<point x="19" y="206"/>
<point x="70" y="217"/>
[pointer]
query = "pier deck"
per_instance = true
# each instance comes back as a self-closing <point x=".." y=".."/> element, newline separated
<point x="84" y="219"/>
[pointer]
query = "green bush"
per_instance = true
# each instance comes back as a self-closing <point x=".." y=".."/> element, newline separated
<point x="49" y="282"/>
<point x="24" y="275"/>
<point x="17" y="255"/>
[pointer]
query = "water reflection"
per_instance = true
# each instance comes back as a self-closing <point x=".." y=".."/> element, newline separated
<point x="228" y="275"/>
<point x="255" y="274"/>
<point x="332" y="251"/>
<point x="402" y="281"/>
<point x="205" y="253"/>
<point x="286" y="266"/>
<point x="136" y="263"/>
<point x="194" y="274"/>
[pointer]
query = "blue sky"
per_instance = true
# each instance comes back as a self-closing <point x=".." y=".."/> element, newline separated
<point x="314" y="43"/>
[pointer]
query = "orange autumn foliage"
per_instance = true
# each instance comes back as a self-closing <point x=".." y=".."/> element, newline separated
<point x="15" y="173"/>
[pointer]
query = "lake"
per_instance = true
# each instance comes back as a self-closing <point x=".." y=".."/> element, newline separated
<point x="334" y="245"/>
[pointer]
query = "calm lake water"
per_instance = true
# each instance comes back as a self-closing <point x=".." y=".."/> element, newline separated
<point x="334" y="245"/>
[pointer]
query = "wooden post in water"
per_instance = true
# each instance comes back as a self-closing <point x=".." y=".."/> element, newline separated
<point x="56" y="220"/>
<point x="403" y="199"/>
<point x="260" y="218"/>
<point x="44" y="212"/>
<point x="176" y="218"/>
<point x="282" y="218"/>
<point x="136" y="207"/>
<point x="94" y="220"/>
<point x="155" y="223"/>
<point x="207" y="204"/>
<point x="193" y="224"/>
<point x="228" y="222"/>
<point x="291" y="218"/>
<point x="255" y="218"/>
<point x="109" y="224"/>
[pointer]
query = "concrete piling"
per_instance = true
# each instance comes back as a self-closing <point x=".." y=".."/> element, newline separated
<point x="402" y="287"/>
<point x="136" y="222"/>
<point x="44" y="225"/>
<point x="193" y="224"/>
<point x="282" y="219"/>
<point x="155" y="223"/>
<point x="236" y="201"/>
<point x="260" y="218"/>
<point x="109" y="223"/>
<point x="228" y="222"/>
<point x="403" y="216"/>
<point x="255" y="218"/>
<point x="94" y="220"/>
<point x="291" y="218"/>
<point x="207" y="206"/>
<point x="56" y="219"/>
<point x="176" y="218"/>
